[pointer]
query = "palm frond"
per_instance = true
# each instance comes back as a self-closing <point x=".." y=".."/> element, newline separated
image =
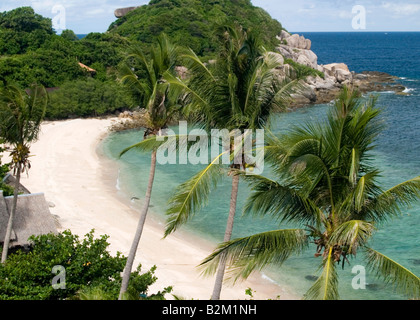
<point x="192" y="195"/>
<point x="289" y="204"/>
<point x="326" y="287"/>
<point x="365" y="189"/>
<point x="404" y="281"/>
<point x="352" y="234"/>
<point x="354" y="166"/>
<point x="21" y="113"/>
<point x="154" y="93"/>
<point x="175" y="81"/>
<point x="389" y="203"/>
<point x="196" y="66"/>
<point x="37" y="100"/>
<point x="248" y="254"/>
<point x="151" y="143"/>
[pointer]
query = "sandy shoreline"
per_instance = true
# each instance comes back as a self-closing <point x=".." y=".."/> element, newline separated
<point x="70" y="170"/>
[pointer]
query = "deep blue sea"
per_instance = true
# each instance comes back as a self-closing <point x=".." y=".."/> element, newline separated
<point x="397" y="155"/>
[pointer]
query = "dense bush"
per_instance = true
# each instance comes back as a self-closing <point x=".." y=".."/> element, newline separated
<point x="30" y="51"/>
<point x="88" y="97"/>
<point x="88" y="267"/>
<point x="104" y="48"/>
<point x="49" y="68"/>
<point x="191" y="22"/>
<point x="22" y="29"/>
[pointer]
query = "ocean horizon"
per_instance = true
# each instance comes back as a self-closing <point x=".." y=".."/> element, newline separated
<point x="397" y="155"/>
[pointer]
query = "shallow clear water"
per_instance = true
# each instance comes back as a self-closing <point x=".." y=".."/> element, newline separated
<point x="397" y="155"/>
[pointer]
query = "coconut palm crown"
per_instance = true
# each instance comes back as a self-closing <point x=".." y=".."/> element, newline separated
<point x="21" y="115"/>
<point x="324" y="182"/>
<point x="160" y="101"/>
<point x="237" y="92"/>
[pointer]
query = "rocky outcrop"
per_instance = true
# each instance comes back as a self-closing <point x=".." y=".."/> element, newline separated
<point x="297" y="48"/>
<point x="121" y="12"/>
<point x="323" y="90"/>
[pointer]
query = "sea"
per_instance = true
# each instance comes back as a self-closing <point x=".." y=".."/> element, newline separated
<point x="397" y="156"/>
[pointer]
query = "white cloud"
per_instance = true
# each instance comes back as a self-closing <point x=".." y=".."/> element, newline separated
<point x="82" y="16"/>
<point x="401" y="9"/>
<point x="85" y="16"/>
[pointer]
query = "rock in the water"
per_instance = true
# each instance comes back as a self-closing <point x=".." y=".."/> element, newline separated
<point x="311" y="278"/>
<point x="415" y="261"/>
<point x="294" y="40"/>
<point x="374" y="286"/>
<point x="338" y="70"/>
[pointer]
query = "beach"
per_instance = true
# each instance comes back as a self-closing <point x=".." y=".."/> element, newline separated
<point x="79" y="182"/>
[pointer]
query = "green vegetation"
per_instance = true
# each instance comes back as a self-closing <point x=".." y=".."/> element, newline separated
<point x="91" y="272"/>
<point x="88" y="97"/>
<point x="302" y="70"/>
<point x="161" y="105"/>
<point x="191" y="22"/>
<point x="31" y="53"/>
<point x="22" y="30"/>
<point x="323" y="181"/>
<point x="325" y="185"/>
<point x="21" y="114"/>
<point x="4" y="169"/>
<point x="239" y="91"/>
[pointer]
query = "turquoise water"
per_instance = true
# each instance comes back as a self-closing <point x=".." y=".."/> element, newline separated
<point x="397" y="155"/>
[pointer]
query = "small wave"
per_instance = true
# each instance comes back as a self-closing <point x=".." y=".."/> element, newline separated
<point x="118" y="186"/>
<point x="407" y="90"/>
<point x="264" y="276"/>
<point x="405" y="79"/>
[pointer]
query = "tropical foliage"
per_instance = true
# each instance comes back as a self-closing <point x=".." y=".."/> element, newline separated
<point x="31" y="52"/>
<point x="239" y="91"/>
<point x="323" y="180"/>
<point x="4" y="170"/>
<point x="191" y="22"/>
<point x="89" y="268"/>
<point x="22" y="30"/>
<point x="325" y="184"/>
<point x="88" y="97"/>
<point x="21" y="114"/>
<point x="161" y="103"/>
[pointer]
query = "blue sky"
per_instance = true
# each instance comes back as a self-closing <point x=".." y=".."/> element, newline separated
<point x="84" y="16"/>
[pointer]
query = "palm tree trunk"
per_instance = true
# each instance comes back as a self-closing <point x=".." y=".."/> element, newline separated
<point x="11" y="218"/>
<point x="139" y="231"/>
<point x="228" y="234"/>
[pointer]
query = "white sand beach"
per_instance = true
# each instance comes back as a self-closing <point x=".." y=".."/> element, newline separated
<point x="81" y="183"/>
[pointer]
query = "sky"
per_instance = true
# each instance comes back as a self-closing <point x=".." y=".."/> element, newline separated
<point x="85" y="16"/>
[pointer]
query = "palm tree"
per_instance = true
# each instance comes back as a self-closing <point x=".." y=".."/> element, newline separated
<point x="160" y="102"/>
<point x="21" y="114"/>
<point x="325" y="184"/>
<point x="238" y="92"/>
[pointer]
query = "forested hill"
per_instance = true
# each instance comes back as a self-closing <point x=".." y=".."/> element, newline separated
<point x="31" y="51"/>
<point x="191" y="22"/>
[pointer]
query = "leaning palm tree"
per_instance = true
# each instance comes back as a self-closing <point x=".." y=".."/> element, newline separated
<point x="160" y="102"/>
<point x="324" y="183"/>
<point x="21" y="114"/>
<point x="237" y="93"/>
